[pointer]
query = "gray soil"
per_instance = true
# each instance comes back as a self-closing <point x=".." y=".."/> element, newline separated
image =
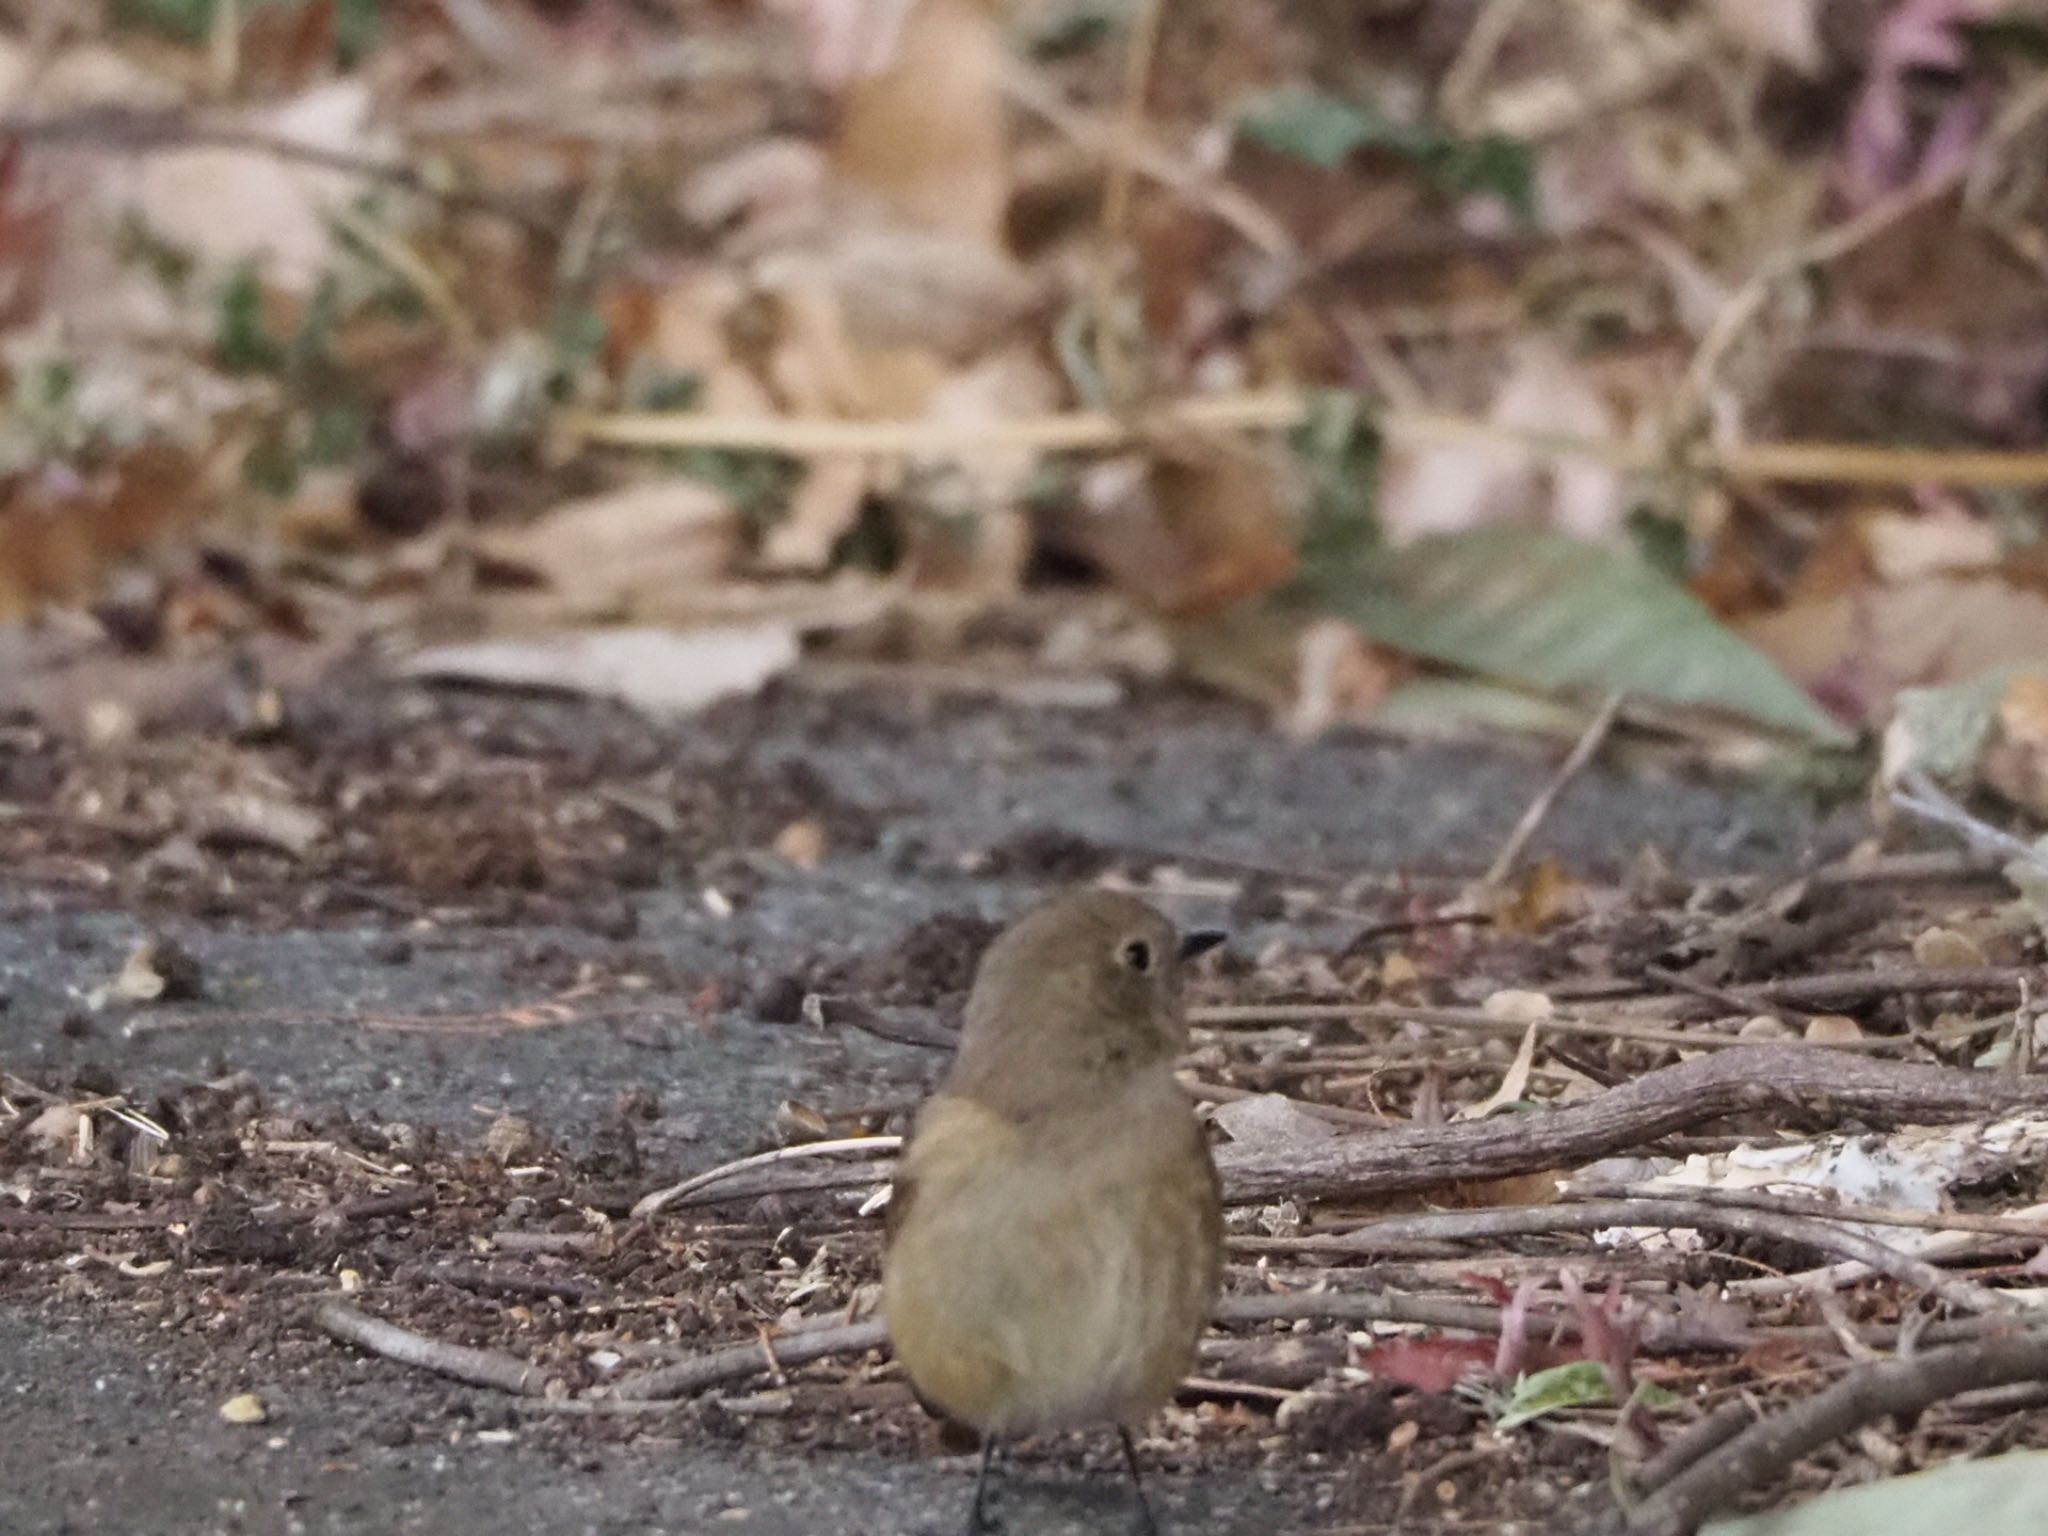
<point x="110" y="1425"/>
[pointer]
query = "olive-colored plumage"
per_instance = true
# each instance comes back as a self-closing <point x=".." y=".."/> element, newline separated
<point x="1055" y="1235"/>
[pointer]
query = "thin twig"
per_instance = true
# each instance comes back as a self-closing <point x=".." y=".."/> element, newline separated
<point x="1539" y="808"/>
<point x="1798" y="1205"/>
<point x="1471" y="1020"/>
<point x="1812" y="463"/>
<point x="1918" y="795"/>
<point x="1141" y="49"/>
<point x="738" y="1361"/>
<point x="478" y="1367"/>
<point x="1844" y="987"/>
<point x="1668" y="1213"/>
<point x="860" y="1146"/>
<point x="1727" y="997"/>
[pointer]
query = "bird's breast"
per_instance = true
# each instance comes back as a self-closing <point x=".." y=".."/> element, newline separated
<point x="1046" y="1276"/>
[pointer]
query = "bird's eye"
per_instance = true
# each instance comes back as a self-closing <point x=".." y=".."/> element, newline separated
<point x="1137" y="955"/>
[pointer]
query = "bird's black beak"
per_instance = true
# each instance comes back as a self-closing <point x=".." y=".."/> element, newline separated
<point x="1200" y="942"/>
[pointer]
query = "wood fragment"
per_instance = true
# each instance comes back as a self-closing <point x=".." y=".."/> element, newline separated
<point x="1656" y="1104"/>
<point x="738" y="1361"/>
<point x="478" y="1367"/>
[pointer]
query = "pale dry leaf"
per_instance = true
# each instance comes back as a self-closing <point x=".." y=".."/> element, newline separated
<point x="1787" y="31"/>
<point x="1342" y="678"/>
<point x="1942" y="947"/>
<point x="1514" y="1083"/>
<point x="245" y="1408"/>
<point x="1452" y="487"/>
<point x="56" y="1125"/>
<point x="1518" y="1006"/>
<point x="659" y="671"/>
<point x="1832" y="1029"/>
<point x="229" y="205"/>
<point x="603" y="554"/>
<point x="1271" y="1120"/>
<point x="1911" y="1169"/>
<point x="898" y="286"/>
<point x="823" y="506"/>
<point x="2015" y="761"/>
<point x="689" y="333"/>
<point x="1903" y="547"/>
<point x="764" y="194"/>
<point x="261" y="820"/>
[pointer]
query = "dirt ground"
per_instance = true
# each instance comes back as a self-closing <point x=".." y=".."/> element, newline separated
<point x="556" y="912"/>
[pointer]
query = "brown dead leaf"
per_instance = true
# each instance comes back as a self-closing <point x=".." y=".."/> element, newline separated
<point x="927" y="135"/>
<point x="2016" y="759"/>
<point x="59" y="532"/>
<point x="1855" y="651"/>
<point x="1940" y="946"/>
<point x="1229" y="510"/>
<point x="1545" y="895"/>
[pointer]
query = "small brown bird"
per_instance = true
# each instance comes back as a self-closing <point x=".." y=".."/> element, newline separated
<point x="1055" y="1232"/>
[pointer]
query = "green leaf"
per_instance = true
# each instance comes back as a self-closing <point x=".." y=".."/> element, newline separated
<point x="241" y="340"/>
<point x="1313" y="126"/>
<point x="1327" y="130"/>
<point x="1501" y="167"/>
<point x="1338" y="449"/>
<point x="1997" y="1496"/>
<point x="1582" y="1384"/>
<point x="1541" y="609"/>
<point x="1077" y="28"/>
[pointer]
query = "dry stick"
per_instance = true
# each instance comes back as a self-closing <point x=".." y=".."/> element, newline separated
<point x="1647" y="1109"/>
<point x="1404" y="1233"/>
<point x="1473" y="1019"/>
<point x="1699" y="1215"/>
<point x="1827" y="1210"/>
<point x="1709" y="1434"/>
<point x="1654" y="1105"/>
<point x="1727" y="997"/>
<point x="1768" y="1448"/>
<point x="1229" y="204"/>
<point x="1139" y="52"/>
<point x="1539" y="809"/>
<point x="1479" y="1021"/>
<point x="1843" y="987"/>
<point x="1918" y="795"/>
<point x="739" y="1361"/>
<point x="1814" y="463"/>
<point x="478" y="1367"/>
<point x="1937" y="1245"/>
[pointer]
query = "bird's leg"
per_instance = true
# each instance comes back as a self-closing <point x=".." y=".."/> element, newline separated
<point x="977" y="1518"/>
<point x="1144" y="1525"/>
